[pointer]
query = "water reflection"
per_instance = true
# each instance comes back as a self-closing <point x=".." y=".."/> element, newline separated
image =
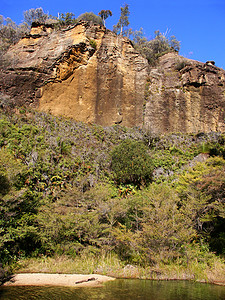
<point x="120" y="289"/>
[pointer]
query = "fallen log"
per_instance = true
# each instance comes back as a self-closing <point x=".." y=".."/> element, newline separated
<point x="85" y="280"/>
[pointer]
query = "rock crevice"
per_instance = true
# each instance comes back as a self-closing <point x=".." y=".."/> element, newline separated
<point x="90" y="74"/>
<point x="184" y="95"/>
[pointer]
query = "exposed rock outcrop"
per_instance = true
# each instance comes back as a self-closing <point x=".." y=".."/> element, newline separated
<point x="88" y="73"/>
<point x="84" y="72"/>
<point x="183" y="95"/>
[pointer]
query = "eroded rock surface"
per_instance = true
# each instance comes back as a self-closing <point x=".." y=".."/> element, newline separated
<point x="183" y="95"/>
<point x="90" y="74"/>
<point x="84" y="72"/>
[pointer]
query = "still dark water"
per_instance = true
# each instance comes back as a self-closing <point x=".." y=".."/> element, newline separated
<point x="121" y="289"/>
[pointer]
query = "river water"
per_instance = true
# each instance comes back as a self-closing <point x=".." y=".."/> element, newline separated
<point x="120" y="289"/>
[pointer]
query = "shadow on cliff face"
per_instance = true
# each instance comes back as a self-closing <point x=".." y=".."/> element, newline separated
<point x="184" y="96"/>
<point x="92" y="75"/>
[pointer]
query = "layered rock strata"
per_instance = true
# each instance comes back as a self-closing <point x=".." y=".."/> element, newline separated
<point x="90" y="74"/>
<point x="183" y="95"/>
<point x="84" y="72"/>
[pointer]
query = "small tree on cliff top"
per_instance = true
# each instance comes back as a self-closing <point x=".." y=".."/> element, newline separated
<point x="123" y="20"/>
<point x="66" y="19"/>
<point x="104" y="14"/>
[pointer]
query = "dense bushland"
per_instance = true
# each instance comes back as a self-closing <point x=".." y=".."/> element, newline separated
<point x="76" y="189"/>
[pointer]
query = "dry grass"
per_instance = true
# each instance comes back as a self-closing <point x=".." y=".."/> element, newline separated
<point x="66" y="265"/>
<point x="213" y="271"/>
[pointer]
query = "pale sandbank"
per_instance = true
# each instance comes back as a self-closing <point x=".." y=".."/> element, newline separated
<point x="70" y="280"/>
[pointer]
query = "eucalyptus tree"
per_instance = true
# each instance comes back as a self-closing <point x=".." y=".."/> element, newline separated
<point x="104" y="14"/>
<point x="123" y="20"/>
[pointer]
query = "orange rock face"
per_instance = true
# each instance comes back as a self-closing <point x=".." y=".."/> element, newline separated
<point x="90" y="74"/>
<point x="85" y="72"/>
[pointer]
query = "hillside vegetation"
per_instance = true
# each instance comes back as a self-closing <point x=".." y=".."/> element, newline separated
<point x="119" y="201"/>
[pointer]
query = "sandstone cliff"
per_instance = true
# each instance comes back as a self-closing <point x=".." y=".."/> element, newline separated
<point x="84" y="72"/>
<point x="88" y="73"/>
<point x="184" y="95"/>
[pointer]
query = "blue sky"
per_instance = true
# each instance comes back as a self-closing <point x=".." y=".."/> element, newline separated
<point x="198" y="24"/>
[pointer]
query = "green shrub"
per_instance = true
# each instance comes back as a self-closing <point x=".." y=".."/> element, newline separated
<point x="93" y="44"/>
<point x="154" y="48"/>
<point x="131" y="163"/>
<point x="90" y="17"/>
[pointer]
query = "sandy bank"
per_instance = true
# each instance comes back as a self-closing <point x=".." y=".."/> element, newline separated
<point x="75" y="280"/>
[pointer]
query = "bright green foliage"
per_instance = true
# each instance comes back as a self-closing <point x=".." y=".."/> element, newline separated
<point x="165" y="226"/>
<point x="70" y="225"/>
<point x="11" y="171"/>
<point x="156" y="228"/>
<point x="214" y="149"/>
<point x="66" y="19"/>
<point x="131" y="163"/>
<point x="123" y="20"/>
<point x="42" y="159"/>
<point x="202" y="189"/>
<point x="17" y="205"/>
<point x="57" y="195"/>
<point x="90" y="17"/>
